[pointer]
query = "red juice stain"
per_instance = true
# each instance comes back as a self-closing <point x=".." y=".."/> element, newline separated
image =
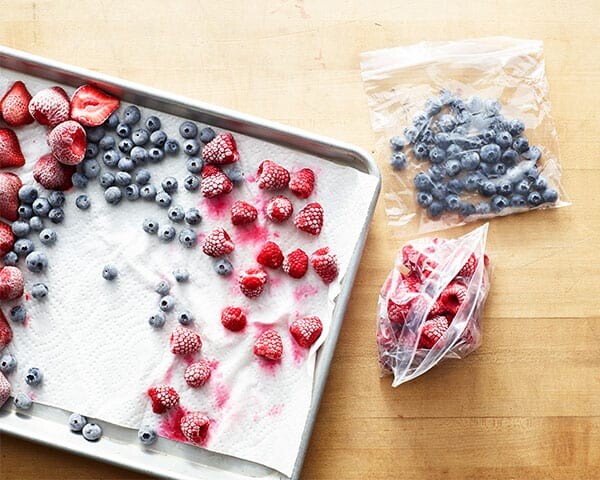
<point x="262" y="328"/>
<point x="214" y="364"/>
<point x="27" y="296"/>
<point x="269" y="366"/>
<point x="250" y="178"/>
<point x="298" y="353"/>
<point x="189" y="359"/>
<point x="252" y="234"/>
<point x="305" y="291"/>
<point x="275" y="410"/>
<point x="169" y="373"/>
<point x="217" y="207"/>
<point x="221" y="394"/>
<point x="27" y="320"/>
<point x="170" y="426"/>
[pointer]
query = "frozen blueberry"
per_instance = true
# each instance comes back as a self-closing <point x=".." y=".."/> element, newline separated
<point x="421" y="151"/>
<point x="169" y="184"/>
<point x="411" y="134"/>
<point x="187" y="238"/>
<point x="398" y="161"/>
<point x="510" y="157"/>
<point x="504" y="187"/>
<point x="521" y="144"/>
<point x="498" y="203"/>
<point x="518" y="201"/>
<point x="122" y="179"/>
<point x="79" y="180"/>
<point x="158" y="138"/>
<point x="535" y="198"/>
<point x="18" y="314"/>
<point x="466" y="209"/>
<point x="490" y="153"/>
<point x="140" y="137"/>
<point x="469" y="160"/>
<point x="191" y="183"/>
<point x="453" y="167"/>
<point x="207" y="134"/>
<point x="439" y="191"/>
<point x="423" y="182"/>
<point x="110" y="272"/>
<point x="424" y="199"/>
<point x="181" y="275"/>
<point x="113" y="195"/>
<point x="157" y="320"/>
<point x="147" y="435"/>
<point x="111" y="158"/>
<point x="56" y="215"/>
<point x="532" y="175"/>
<point x="433" y="106"/>
<point x="420" y="120"/>
<point x="138" y="155"/>
<point x="28" y="194"/>
<point x="499" y="169"/>
<point x="516" y="127"/>
<point x="48" y="236"/>
<point x="442" y="140"/>
<point x="534" y="153"/>
<point x="185" y="317"/>
<point x="176" y="213"/>
<point x="397" y="143"/>
<point x="36" y="224"/>
<point x="39" y="290"/>
<point x="20" y="228"/>
<point x="540" y="184"/>
<point x="107" y="142"/>
<point x="487" y="188"/>
<point x="92" y="432"/>
<point x="132" y="192"/>
<point x="94" y="134"/>
<point x="194" y="165"/>
<point x="148" y="192"/>
<point x="150" y="226"/>
<point x="155" y="154"/>
<point x="77" y="422"/>
<point x="91" y="151"/>
<point x="166" y="303"/>
<point x="123" y="130"/>
<point x="163" y="199"/>
<point x="522" y="187"/>
<point x="131" y="115"/>
<point x="188" y="129"/>
<point x="126" y="164"/>
<point x="436" y="172"/>
<point x="446" y="123"/>
<point x="8" y="363"/>
<point x="436" y="209"/>
<point x="171" y="146"/>
<point x="166" y="233"/>
<point x="453" y="151"/>
<point x="482" y="208"/>
<point x="107" y="179"/>
<point x="23" y="247"/>
<point x="91" y="168"/>
<point x="152" y="123"/>
<point x="437" y="155"/>
<point x="34" y="376"/>
<point x="235" y="174"/>
<point x="41" y="206"/>
<point x="112" y="121"/>
<point x="23" y="401"/>
<point x="25" y="212"/>
<point x="162" y="288"/>
<point x="504" y="139"/>
<point x="142" y="177"/>
<point x="474" y="104"/>
<point x="192" y="216"/>
<point x="452" y="202"/>
<point x="10" y="259"/>
<point x="550" y="196"/>
<point x="456" y="185"/>
<point x="222" y="266"/>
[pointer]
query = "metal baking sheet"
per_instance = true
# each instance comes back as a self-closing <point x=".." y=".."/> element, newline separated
<point x="119" y="445"/>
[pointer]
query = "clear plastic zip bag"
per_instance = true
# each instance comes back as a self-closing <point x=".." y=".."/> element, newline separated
<point x="430" y="307"/>
<point x="467" y="128"/>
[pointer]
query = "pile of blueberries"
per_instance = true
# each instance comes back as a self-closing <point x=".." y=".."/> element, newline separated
<point x="478" y="162"/>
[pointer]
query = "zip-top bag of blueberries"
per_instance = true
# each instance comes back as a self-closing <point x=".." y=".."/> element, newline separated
<point x="467" y="128"/>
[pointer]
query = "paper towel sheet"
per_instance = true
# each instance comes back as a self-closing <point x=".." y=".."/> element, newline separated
<point x="91" y="337"/>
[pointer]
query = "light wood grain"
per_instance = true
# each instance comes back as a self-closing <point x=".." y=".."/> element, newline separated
<point x="527" y="404"/>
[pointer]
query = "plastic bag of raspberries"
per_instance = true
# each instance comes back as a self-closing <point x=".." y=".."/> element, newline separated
<point x="431" y="304"/>
<point x="466" y="127"/>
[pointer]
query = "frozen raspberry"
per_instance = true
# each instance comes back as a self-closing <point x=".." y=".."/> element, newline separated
<point x="252" y="282"/>
<point x="243" y="213"/>
<point x="279" y="209"/>
<point x="269" y="345"/>
<point x="296" y="263"/>
<point x="4" y="389"/>
<point x="197" y="374"/>
<point x="272" y="176"/>
<point x="270" y="255"/>
<point x="325" y="264"/>
<point x="306" y="330"/>
<point x="184" y="340"/>
<point x="221" y="150"/>
<point x="194" y="427"/>
<point x="468" y="269"/>
<point x="302" y="183"/>
<point x="452" y="297"/>
<point x="233" y="318"/>
<point x="11" y="283"/>
<point x="163" y="398"/>
<point x="432" y="331"/>
<point x="310" y="219"/>
<point x="217" y="243"/>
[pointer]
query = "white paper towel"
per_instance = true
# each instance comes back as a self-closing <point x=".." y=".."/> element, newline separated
<point x="91" y="338"/>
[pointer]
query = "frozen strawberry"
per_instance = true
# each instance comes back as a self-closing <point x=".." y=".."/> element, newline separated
<point x="14" y="106"/>
<point x="302" y="183"/>
<point x="184" y="341"/>
<point x="50" y="106"/>
<point x="325" y="264"/>
<point x="270" y="255"/>
<point x="269" y="345"/>
<point x="91" y="106"/>
<point x="310" y="219"/>
<point x="432" y="331"/>
<point x="221" y="150"/>
<point x="52" y="174"/>
<point x="6" y="334"/>
<point x="279" y="209"/>
<point x="306" y="330"/>
<point x="252" y="281"/>
<point x="243" y="213"/>
<point x="214" y="182"/>
<point x="233" y="318"/>
<point x="452" y="297"/>
<point x="217" y="243"/>
<point x="468" y="269"/>
<point x="9" y="196"/>
<point x="10" y="150"/>
<point x="197" y="374"/>
<point x="296" y="263"/>
<point x="4" y="389"/>
<point x="11" y="283"/>
<point x="7" y="238"/>
<point x="67" y="142"/>
<point x="194" y="427"/>
<point x="163" y="398"/>
<point x="272" y="176"/>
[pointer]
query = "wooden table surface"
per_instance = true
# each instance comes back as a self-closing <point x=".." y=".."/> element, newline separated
<point x="524" y="406"/>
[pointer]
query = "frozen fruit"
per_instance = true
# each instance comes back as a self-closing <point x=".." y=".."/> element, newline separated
<point x="233" y="318"/>
<point x="77" y="422"/>
<point x="14" y="106"/>
<point x="217" y="243"/>
<point x="221" y="150"/>
<point x="197" y="374"/>
<point x="421" y="151"/>
<point x="306" y="330"/>
<point x="452" y="167"/>
<point x="131" y="115"/>
<point x="20" y="228"/>
<point x="188" y="129"/>
<point x="123" y="130"/>
<point x="169" y="184"/>
<point x="518" y="201"/>
<point x="207" y="134"/>
<point x="146" y="434"/>
<point x="91" y="106"/>
<point x="176" y="213"/>
<point x="279" y="209"/>
<point x="550" y="196"/>
<point x="534" y="199"/>
<point x="50" y="106"/>
<point x="39" y="291"/>
<point x="181" y="275"/>
<point x="325" y="264"/>
<point x="452" y="202"/>
<point x="79" y="180"/>
<point x="95" y="134"/>
<point x="166" y="303"/>
<point x="91" y="168"/>
<point x="150" y="226"/>
<point x="28" y="194"/>
<point x="4" y="389"/>
<point x="113" y="195"/>
<point x="23" y="401"/>
<point x="194" y="165"/>
<point x="398" y="310"/>
<point x="269" y="345"/>
<point x="252" y="282"/>
<point x="171" y="146"/>
<point x="243" y="213"/>
<point x="34" y="376"/>
<point x="424" y="199"/>
<point x="23" y="247"/>
<point x="138" y="155"/>
<point x="397" y="142"/>
<point x="432" y="331"/>
<point x="222" y="266"/>
<point x="235" y="174"/>
<point x="490" y="153"/>
<point x="194" y="427"/>
<point x="423" y="182"/>
<point x="192" y="216"/>
<point x="25" y="212"/>
<point x="148" y="192"/>
<point x="10" y="259"/>
<point x="499" y="203"/>
<point x="163" y="199"/>
<point x="111" y="158"/>
<point x="140" y="137"/>
<point x="214" y="182"/>
<point x="187" y="237"/>
<point x="6" y="336"/>
<point x="310" y="219"/>
<point x="91" y="432"/>
<point x="453" y="296"/>
<point x="126" y="164"/>
<point x="36" y="262"/>
<point x="11" y="283"/>
<point x="107" y="142"/>
<point x="158" y="138"/>
<point x="9" y="196"/>
<point x="296" y="263"/>
<point x="8" y="363"/>
<point x="398" y="161"/>
<point x="302" y="183"/>
<point x="110" y="272"/>
<point x="7" y="238"/>
<point x="185" y="318"/>
<point x="36" y="223"/>
<point x="82" y="202"/>
<point x="166" y="233"/>
<point x="164" y="397"/>
<point x="112" y="121"/>
<point x="191" y="183"/>
<point x="468" y="269"/>
<point x="270" y="255"/>
<point x="272" y="176"/>
<point x="521" y="144"/>
<point x="184" y="341"/>
<point x="470" y="160"/>
<point x="41" y="206"/>
<point x="67" y="142"/>
<point x="191" y="147"/>
<point x="487" y="188"/>
<point x="18" y="314"/>
<point x="157" y="320"/>
<point x="162" y="288"/>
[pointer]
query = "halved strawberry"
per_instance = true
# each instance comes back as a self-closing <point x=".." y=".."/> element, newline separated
<point x="90" y="106"/>
<point x="14" y="106"/>
<point x="269" y="345"/>
<point x="9" y="195"/>
<point x="217" y="243"/>
<point x="7" y="238"/>
<point x="67" y="142"/>
<point x="164" y="397"/>
<point x="221" y="150"/>
<point x="11" y="283"/>
<point x="52" y="174"/>
<point x="6" y="334"/>
<point x="270" y="255"/>
<point x="50" y="106"/>
<point x="306" y="330"/>
<point x="10" y="150"/>
<point x="296" y="263"/>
